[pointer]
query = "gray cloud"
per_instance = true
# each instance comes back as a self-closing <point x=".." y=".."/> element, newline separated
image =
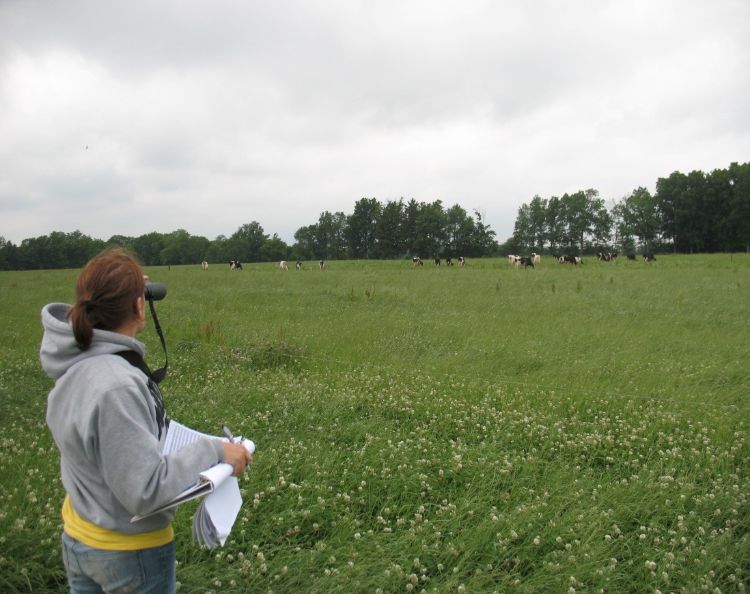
<point x="205" y="116"/>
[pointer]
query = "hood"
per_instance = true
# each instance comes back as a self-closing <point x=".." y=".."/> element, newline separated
<point x="59" y="350"/>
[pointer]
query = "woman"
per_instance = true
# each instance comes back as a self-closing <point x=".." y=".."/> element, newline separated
<point x="107" y="419"/>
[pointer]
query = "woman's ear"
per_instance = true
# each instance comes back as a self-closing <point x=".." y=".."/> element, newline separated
<point x="140" y="308"/>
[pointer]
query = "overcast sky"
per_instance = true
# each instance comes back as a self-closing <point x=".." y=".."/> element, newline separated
<point x="126" y="117"/>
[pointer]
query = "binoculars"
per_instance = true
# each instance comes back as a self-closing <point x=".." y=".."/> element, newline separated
<point x="155" y="291"/>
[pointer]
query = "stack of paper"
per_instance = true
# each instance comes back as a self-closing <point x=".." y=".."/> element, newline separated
<point x="217" y="513"/>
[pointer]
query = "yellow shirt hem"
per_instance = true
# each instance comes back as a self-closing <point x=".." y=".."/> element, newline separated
<point x="110" y="540"/>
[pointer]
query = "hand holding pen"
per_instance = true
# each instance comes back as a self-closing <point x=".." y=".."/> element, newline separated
<point x="237" y="453"/>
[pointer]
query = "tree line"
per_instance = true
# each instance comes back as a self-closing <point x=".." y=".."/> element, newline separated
<point x="688" y="213"/>
<point x="396" y="229"/>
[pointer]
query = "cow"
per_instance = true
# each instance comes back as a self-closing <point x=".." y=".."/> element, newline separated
<point x="417" y="261"/>
<point x="283" y="265"/>
<point x="204" y="265"/>
<point x="322" y="264"/>
<point x="437" y="261"/>
<point x="449" y="261"/>
<point x="535" y="258"/>
<point x="513" y="259"/>
<point x="525" y="261"/>
<point x="631" y="257"/>
<point x="298" y="265"/>
<point x="235" y="265"/>
<point x="461" y="261"/>
<point x="568" y="259"/>
<point x="649" y="257"/>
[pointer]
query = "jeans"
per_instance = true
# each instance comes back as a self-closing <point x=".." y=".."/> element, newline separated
<point x="95" y="571"/>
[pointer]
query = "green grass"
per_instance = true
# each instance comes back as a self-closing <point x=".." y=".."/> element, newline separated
<point x="471" y="429"/>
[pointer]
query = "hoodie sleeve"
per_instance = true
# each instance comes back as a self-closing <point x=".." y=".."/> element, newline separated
<point x="140" y="477"/>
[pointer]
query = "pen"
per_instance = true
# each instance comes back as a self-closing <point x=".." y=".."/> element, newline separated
<point x="228" y="434"/>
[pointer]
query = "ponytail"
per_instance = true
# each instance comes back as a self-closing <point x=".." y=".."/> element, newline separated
<point x="83" y="329"/>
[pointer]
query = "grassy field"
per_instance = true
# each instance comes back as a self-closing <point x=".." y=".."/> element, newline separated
<point x="477" y="429"/>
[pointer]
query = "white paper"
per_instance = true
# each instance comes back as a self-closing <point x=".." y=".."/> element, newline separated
<point x="217" y="474"/>
<point x="223" y="506"/>
<point x="179" y="435"/>
<point x="217" y="513"/>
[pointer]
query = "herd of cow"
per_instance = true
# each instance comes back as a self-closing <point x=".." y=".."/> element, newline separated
<point x="417" y="261"/>
<point x="534" y="258"/>
<point x="525" y="261"/>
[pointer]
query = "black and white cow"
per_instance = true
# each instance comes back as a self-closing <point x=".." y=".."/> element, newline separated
<point x="569" y="259"/>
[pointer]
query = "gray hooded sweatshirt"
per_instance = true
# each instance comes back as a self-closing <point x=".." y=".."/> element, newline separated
<point x="103" y="420"/>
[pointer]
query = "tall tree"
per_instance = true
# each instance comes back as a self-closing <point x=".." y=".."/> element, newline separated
<point x="482" y="238"/>
<point x="8" y="255"/>
<point x="430" y="229"/>
<point x="459" y="233"/>
<point x="304" y="248"/>
<point x="667" y="198"/>
<point x="219" y="251"/>
<point x="555" y="224"/>
<point x="690" y="213"/>
<point x="182" y="248"/>
<point x="640" y="217"/>
<point x="274" y="249"/>
<point x="247" y="241"/>
<point x="409" y="226"/>
<point x="459" y="230"/>
<point x="601" y="219"/>
<point x="523" y="233"/>
<point x="330" y="239"/>
<point x="537" y="223"/>
<point x="389" y="239"/>
<point x="718" y="229"/>
<point x="361" y="228"/>
<point x="148" y="247"/>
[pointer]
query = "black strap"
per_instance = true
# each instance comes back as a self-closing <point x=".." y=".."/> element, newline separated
<point x="136" y="360"/>
<point x="161" y="373"/>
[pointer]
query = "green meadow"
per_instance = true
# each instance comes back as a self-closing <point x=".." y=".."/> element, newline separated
<point x="476" y="429"/>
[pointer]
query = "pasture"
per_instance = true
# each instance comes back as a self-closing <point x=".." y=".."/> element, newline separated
<point x="477" y="429"/>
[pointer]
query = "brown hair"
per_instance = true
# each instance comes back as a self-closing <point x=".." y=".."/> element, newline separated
<point x="106" y="291"/>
